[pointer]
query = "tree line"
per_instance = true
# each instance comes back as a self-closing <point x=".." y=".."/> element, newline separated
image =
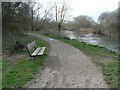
<point x="107" y="23"/>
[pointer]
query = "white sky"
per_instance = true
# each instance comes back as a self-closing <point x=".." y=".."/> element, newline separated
<point x="92" y="8"/>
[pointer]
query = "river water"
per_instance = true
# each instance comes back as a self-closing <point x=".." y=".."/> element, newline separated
<point x="95" y="39"/>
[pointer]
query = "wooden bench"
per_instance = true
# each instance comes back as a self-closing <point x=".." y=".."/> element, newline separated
<point x="33" y="50"/>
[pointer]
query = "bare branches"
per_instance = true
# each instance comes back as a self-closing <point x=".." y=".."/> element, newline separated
<point x="39" y="14"/>
<point x="60" y="13"/>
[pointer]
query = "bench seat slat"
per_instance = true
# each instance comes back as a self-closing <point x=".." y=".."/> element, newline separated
<point x="41" y="51"/>
<point x="36" y="51"/>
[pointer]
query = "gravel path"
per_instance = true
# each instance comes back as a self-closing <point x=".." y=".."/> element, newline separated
<point x="67" y="67"/>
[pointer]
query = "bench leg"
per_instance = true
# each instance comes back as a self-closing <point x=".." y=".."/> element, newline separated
<point x="34" y="58"/>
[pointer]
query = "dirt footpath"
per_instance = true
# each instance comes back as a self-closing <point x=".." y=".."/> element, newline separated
<point x="67" y="67"/>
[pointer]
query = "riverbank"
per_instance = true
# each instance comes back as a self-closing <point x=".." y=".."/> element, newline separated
<point x="94" y="39"/>
<point x="19" y="68"/>
<point x="108" y="35"/>
<point x="104" y="59"/>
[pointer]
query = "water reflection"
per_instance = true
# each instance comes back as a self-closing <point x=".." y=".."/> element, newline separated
<point x="89" y="39"/>
<point x="69" y="34"/>
<point x="94" y="39"/>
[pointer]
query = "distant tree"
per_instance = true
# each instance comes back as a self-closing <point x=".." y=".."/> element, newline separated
<point x="45" y="18"/>
<point x="109" y="22"/>
<point x="61" y="11"/>
<point x="103" y="16"/>
<point x="83" y="22"/>
<point x="39" y="14"/>
<point x="70" y="25"/>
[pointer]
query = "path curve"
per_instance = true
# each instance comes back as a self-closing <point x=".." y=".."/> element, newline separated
<point x="67" y="67"/>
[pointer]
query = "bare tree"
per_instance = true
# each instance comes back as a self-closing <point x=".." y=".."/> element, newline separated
<point x="109" y="22"/>
<point x="61" y="12"/>
<point x="45" y="17"/>
<point x="38" y="15"/>
<point x="34" y="14"/>
<point x="83" y="21"/>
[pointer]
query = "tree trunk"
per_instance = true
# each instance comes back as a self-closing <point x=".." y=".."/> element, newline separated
<point x="32" y="27"/>
<point x="32" y="22"/>
<point x="59" y="28"/>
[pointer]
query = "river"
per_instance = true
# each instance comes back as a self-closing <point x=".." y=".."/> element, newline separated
<point x="95" y="39"/>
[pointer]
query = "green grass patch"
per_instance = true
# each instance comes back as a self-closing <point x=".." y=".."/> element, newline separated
<point x="98" y="56"/>
<point x="111" y="72"/>
<point x="21" y="73"/>
<point x="16" y="75"/>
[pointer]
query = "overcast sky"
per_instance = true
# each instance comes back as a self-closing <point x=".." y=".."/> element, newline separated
<point x="92" y="8"/>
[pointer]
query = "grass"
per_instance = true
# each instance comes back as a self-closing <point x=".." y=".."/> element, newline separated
<point x="17" y="75"/>
<point x="99" y="56"/>
<point x="111" y="72"/>
<point x="21" y="73"/>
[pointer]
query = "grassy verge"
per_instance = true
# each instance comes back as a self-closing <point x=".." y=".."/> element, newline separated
<point x="103" y="58"/>
<point x="111" y="72"/>
<point x="18" y="74"/>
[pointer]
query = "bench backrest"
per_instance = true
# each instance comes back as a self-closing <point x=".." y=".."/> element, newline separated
<point x="31" y="47"/>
